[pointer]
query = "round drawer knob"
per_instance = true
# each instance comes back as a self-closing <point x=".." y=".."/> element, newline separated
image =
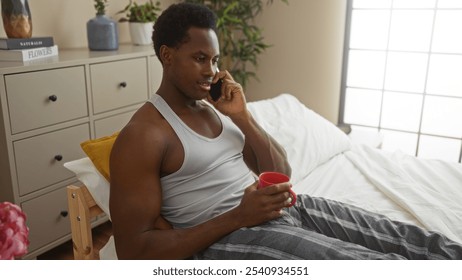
<point x="123" y="84"/>
<point x="53" y="98"/>
<point x="64" y="213"/>
<point x="59" y="157"/>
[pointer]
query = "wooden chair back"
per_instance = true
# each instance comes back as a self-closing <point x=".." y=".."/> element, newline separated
<point x="82" y="209"/>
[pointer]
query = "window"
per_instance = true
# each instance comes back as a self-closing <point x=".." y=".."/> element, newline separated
<point x="403" y="74"/>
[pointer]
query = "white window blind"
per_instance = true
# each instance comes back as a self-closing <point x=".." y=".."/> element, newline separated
<point x="403" y="74"/>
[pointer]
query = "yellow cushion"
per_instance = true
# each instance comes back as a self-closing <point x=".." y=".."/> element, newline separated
<point x="99" y="151"/>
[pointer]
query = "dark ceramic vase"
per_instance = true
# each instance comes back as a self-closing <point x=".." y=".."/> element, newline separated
<point x="102" y="34"/>
<point x="17" y="20"/>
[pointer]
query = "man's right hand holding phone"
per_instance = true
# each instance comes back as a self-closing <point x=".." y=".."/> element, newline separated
<point x="231" y="101"/>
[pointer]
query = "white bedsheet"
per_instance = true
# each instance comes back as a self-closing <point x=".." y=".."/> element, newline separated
<point x="426" y="193"/>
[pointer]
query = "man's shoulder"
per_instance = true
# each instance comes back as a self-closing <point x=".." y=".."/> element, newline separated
<point x="147" y="124"/>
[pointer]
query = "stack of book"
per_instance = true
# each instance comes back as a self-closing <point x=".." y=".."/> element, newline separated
<point x="26" y="49"/>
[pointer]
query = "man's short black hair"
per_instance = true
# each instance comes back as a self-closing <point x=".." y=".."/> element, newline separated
<point x="171" y="28"/>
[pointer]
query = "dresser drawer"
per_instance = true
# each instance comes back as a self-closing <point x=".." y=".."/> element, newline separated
<point x="38" y="160"/>
<point x="108" y="126"/>
<point x="118" y="84"/>
<point x="38" y="99"/>
<point x="46" y="219"/>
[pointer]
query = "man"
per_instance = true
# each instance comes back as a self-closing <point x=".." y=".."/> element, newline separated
<point x="182" y="174"/>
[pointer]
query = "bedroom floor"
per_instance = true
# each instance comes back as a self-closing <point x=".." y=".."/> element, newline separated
<point x="101" y="235"/>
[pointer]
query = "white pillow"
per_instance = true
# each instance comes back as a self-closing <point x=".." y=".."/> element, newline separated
<point x="308" y="138"/>
<point x="96" y="184"/>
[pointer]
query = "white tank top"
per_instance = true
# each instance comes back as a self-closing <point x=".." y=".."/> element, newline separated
<point x="213" y="175"/>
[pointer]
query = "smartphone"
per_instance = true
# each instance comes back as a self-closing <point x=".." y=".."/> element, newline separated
<point x="215" y="90"/>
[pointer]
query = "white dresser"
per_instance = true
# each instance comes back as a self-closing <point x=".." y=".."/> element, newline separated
<point x="47" y="109"/>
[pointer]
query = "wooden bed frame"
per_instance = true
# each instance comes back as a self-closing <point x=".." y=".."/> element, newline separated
<point x="82" y="209"/>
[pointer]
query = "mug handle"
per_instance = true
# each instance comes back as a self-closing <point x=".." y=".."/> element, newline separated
<point x="294" y="198"/>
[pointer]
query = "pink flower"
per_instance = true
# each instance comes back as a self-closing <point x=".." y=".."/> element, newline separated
<point x="13" y="231"/>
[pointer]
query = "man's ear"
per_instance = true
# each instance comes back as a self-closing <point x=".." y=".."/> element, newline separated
<point x="165" y="54"/>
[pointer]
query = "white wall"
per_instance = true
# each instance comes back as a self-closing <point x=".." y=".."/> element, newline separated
<point x="306" y="57"/>
<point x="305" y="60"/>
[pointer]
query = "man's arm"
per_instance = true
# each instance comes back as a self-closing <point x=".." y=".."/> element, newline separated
<point x="140" y="231"/>
<point x="261" y="151"/>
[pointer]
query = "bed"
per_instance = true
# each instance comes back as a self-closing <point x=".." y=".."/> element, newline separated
<point x="326" y="163"/>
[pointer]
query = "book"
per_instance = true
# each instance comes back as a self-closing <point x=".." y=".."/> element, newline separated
<point x="26" y="43"/>
<point x="28" y="54"/>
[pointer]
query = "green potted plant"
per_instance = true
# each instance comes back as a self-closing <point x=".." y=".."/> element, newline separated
<point x="241" y="41"/>
<point x="100" y="7"/>
<point x="141" y="18"/>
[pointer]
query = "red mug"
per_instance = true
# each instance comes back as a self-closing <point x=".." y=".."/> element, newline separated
<point x="270" y="178"/>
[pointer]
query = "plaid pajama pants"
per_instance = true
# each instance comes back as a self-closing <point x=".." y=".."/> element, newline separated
<point x="318" y="228"/>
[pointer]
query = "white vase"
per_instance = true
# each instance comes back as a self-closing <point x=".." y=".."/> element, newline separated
<point x="141" y="33"/>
